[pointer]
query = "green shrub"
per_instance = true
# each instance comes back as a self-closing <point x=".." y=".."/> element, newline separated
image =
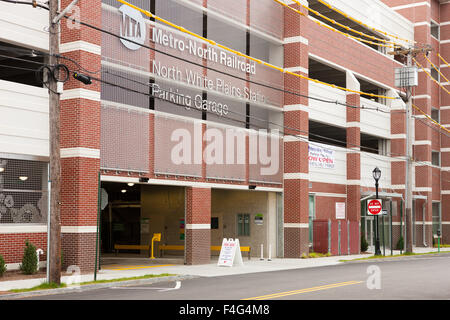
<point x="2" y="266"/>
<point x="364" y="244"/>
<point x="400" y="244"/>
<point x="29" y="260"/>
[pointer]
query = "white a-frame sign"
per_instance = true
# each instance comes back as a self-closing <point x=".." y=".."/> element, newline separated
<point x="230" y="253"/>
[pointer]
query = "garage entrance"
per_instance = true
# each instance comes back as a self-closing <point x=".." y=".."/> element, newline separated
<point x="135" y="212"/>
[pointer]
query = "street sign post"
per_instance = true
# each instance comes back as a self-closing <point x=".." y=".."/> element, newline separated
<point x="374" y="207"/>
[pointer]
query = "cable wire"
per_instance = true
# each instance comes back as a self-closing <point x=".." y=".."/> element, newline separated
<point x="363" y="24"/>
<point x="333" y="29"/>
<point x="211" y="42"/>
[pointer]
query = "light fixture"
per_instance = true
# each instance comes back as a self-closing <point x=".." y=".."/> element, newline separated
<point x="123" y="190"/>
<point x="376" y="174"/>
<point x="2" y="169"/>
<point x="23" y="178"/>
<point x="130" y="184"/>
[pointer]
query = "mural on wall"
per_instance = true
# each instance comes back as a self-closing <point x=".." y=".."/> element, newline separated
<point x="28" y="213"/>
<point x="17" y="204"/>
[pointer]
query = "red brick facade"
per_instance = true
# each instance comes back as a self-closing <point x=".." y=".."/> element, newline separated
<point x="81" y="141"/>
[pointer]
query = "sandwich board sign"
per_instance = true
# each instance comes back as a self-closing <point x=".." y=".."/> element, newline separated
<point x="230" y="253"/>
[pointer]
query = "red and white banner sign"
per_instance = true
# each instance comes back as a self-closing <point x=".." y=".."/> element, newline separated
<point x="374" y="207"/>
<point x="321" y="158"/>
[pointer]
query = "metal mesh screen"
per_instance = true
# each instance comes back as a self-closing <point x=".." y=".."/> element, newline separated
<point x="124" y="139"/>
<point x="178" y="146"/>
<point x="267" y="16"/>
<point x="225" y="156"/>
<point x="266" y="158"/>
<point x="23" y="191"/>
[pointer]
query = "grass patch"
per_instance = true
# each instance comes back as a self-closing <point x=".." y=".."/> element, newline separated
<point x="42" y="286"/>
<point x="406" y="254"/>
<point x="315" y="255"/>
<point x="147" y="276"/>
<point x="442" y="245"/>
<point x="48" y="286"/>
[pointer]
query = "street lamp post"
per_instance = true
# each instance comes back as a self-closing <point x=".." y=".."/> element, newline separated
<point x="376" y="175"/>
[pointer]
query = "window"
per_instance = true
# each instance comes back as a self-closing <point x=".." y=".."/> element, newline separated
<point x="435" y="30"/>
<point x="214" y="223"/>
<point x="312" y="215"/>
<point x="243" y="225"/>
<point x="436" y="217"/>
<point x="436" y="158"/>
<point x="434" y="74"/>
<point x="435" y="114"/>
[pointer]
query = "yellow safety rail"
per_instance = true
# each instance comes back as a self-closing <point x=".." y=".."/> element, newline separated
<point x="443" y="60"/>
<point x="362" y="23"/>
<point x="156" y="237"/>
<point x="437" y="69"/>
<point x="429" y="118"/>
<point x="211" y="42"/>
<point x="429" y="75"/>
<point x="335" y="30"/>
<point x="317" y="13"/>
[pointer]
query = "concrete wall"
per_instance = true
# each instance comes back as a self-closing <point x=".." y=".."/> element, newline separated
<point x="164" y="206"/>
<point x="226" y="204"/>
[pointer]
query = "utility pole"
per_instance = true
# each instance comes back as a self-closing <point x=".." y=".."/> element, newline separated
<point x="408" y="170"/>
<point x="406" y="81"/>
<point x="54" y="273"/>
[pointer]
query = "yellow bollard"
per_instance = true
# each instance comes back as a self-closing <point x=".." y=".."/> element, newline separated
<point x="156" y="237"/>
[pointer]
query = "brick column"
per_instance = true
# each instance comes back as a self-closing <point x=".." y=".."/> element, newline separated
<point x="198" y="225"/>
<point x="445" y="121"/>
<point x="296" y="170"/>
<point x="80" y="139"/>
<point x="353" y="155"/>
<point x="425" y="98"/>
<point x="398" y="163"/>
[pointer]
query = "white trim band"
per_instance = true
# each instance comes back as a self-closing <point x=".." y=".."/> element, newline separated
<point x="198" y="226"/>
<point x="297" y="69"/>
<point x="296" y="39"/>
<point x="78" y="229"/>
<point x="80" y="93"/>
<point x="80" y="46"/>
<point x="80" y="153"/>
<point x="295" y="107"/>
<point x="296" y="225"/>
<point x="22" y="228"/>
<point x="296" y="176"/>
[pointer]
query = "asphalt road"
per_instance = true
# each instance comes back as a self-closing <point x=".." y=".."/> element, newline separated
<point x="424" y="277"/>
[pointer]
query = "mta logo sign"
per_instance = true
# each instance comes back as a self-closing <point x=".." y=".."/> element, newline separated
<point x="132" y="27"/>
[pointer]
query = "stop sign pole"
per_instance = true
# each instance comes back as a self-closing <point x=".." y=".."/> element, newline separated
<point x="376" y="175"/>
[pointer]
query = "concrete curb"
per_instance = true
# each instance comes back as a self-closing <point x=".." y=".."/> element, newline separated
<point x="389" y="258"/>
<point x="87" y="287"/>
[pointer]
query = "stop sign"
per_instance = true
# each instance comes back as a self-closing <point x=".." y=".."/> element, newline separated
<point x="374" y="207"/>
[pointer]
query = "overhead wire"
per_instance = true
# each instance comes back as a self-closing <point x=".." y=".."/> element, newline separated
<point x="219" y="71"/>
<point x="335" y="30"/>
<point x="182" y="29"/>
<point x="429" y="75"/>
<point x="292" y="129"/>
<point x="435" y="68"/>
<point x="363" y="24"/>
<point x="317" y="13"/>
<point x="213" y="43"/>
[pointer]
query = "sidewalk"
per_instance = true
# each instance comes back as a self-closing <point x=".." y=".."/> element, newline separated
<point x="115" y="268"/>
